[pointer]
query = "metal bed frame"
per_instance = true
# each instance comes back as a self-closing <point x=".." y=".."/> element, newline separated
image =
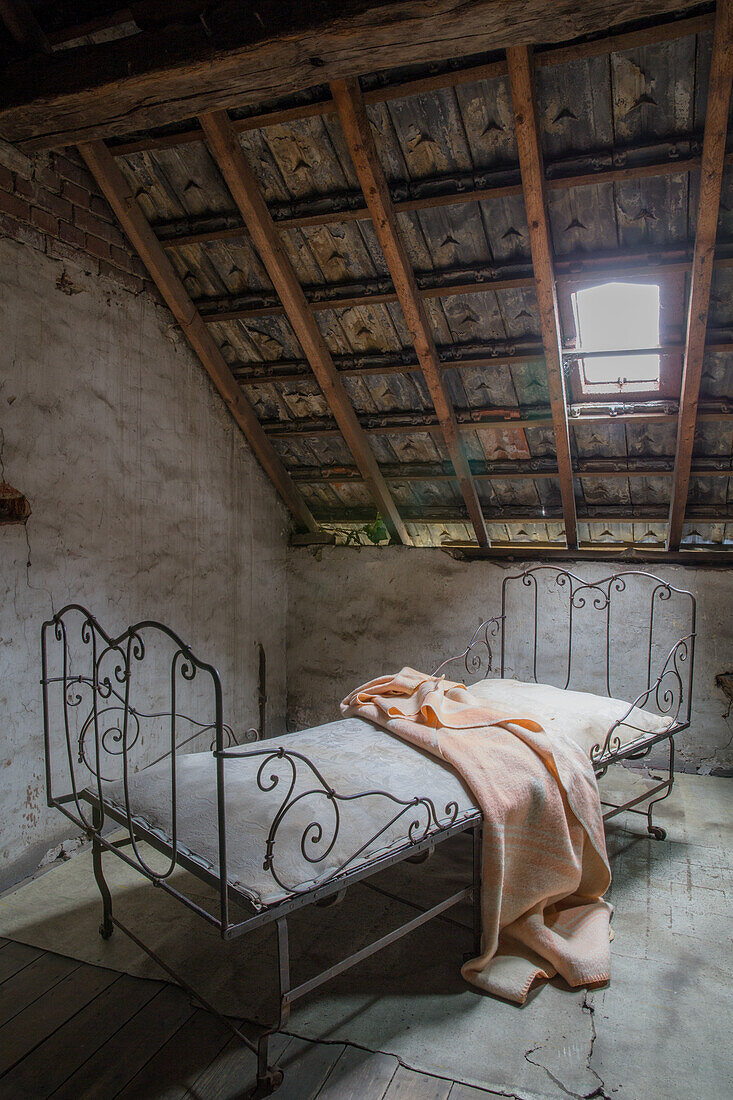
<point x="91" y="719"/>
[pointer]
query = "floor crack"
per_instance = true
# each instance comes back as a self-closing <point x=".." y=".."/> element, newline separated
<point x="558" y="1082"/>
<point x="590" y="1008"/>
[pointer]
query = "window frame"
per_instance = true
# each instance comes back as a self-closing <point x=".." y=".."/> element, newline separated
<point x="671" y="331"/>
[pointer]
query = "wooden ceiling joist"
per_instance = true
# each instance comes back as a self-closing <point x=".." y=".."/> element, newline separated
<point x="178" y="70"/>
<point x="357" y="132"/>
<point x="532" y="470"/>
<point x="183" y="233"/>
<point x="521" y="83"/>
<point x="474" y="419"/>
<point x="448" y="513"/>
<point x="225" y="147"/>
<point x="450" y="283"/>
<point x="451" y="78"/>
<point x="711" y="179"/>
<point x="130" y="216"/>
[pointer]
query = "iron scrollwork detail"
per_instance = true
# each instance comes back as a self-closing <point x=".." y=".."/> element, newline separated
<point x="667" y="693"/>
<point x="319" y="836"/>
<point x="478" y="654"/>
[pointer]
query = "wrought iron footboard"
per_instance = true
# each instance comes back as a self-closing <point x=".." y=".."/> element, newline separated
<point x="106" y="717"/>
<point x="541" y="632"/>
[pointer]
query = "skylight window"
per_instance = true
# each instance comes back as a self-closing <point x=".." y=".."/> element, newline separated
<point x="613" y="318"/>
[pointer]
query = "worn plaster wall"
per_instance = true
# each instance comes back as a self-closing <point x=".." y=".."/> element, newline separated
<point x="357" y="614"/>
<point x="145" y="502"/>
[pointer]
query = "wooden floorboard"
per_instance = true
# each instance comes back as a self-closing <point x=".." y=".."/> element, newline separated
<point x="233" y="1070"/>
<point x="172" y="1070"/>
<point x="77" y="1032"/>
<point x="117" y="1061"/>
<point x="14" y="956"/>
<point x="31" y="982"/>
<point x="56" y="1059"/>
<point x="30" y="1027"/>
<point x="359" y="1075"/>
<point x="468" y="1092"/>
<point x="407" y="1084"/>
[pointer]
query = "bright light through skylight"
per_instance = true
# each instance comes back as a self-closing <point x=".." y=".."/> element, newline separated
<point x="615" y="317"/>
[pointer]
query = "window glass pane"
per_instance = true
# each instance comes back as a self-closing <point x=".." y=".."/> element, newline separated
<point x="615" y="317"/>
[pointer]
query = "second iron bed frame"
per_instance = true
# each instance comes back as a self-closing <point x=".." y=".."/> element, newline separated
<point x="99" y="719"/>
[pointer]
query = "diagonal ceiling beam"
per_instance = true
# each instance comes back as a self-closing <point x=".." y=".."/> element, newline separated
<point x="224" y="145"/>
<point x="521" y="82"/>
<point x="129" y="213"/>
<point x="355" y="125"/>
<point x="711" y="178"/>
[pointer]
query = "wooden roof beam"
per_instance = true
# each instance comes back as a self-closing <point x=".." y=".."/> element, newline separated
<point x="451" y="78"/>
<point x="357" y="132"/>
<point x="521" y="82"/>
<point x="225" y="147"/>
<point x="711" y="178"/>
<point x="130" y="216"/>
<point x="175" y="71"/>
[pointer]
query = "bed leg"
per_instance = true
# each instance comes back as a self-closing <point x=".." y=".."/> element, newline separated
<point x="106" y="927"/>
<point x="477" y="834"/>
<point x="269" y="1078"/>
<point x="656" y="830"/>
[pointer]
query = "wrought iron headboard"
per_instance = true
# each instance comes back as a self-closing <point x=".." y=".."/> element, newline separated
<point x="101" y="707"/>
<point x="527" y="632"/>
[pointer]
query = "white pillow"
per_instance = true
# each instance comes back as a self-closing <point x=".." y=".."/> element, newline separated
<point x="584" y="717"/>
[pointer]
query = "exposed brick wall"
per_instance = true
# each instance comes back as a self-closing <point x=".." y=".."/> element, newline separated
<point x="51" y="202"/>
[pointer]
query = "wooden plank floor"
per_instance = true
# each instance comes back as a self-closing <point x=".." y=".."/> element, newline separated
<point x="75" y="1032"/>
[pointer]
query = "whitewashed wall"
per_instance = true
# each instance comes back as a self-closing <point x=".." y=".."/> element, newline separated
<point x="354" y="615"/>
<point x="146" y="502"/>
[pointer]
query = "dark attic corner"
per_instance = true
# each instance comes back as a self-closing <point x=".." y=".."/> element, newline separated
<point x="365" y="700"/>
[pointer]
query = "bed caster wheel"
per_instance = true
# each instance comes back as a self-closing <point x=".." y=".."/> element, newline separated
<point x="267" y="1086"/>
<point x="106" y="930"/>
<point x="657" y="832"/>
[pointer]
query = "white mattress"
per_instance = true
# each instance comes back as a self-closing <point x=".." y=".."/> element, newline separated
<point x="352" y="756"/>
<point x="580" y="715"/>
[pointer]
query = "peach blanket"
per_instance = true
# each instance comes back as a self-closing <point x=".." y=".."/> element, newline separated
<point x="544" y="863"/>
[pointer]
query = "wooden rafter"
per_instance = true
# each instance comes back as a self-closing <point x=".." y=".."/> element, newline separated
<point x="711" y="178"/>
<point x="175" y="71"/>
<point x="521" y="82"/>
<point x="228" y="154"/>
<point x="355" y="125"/>
<point x="129" y="213"/>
